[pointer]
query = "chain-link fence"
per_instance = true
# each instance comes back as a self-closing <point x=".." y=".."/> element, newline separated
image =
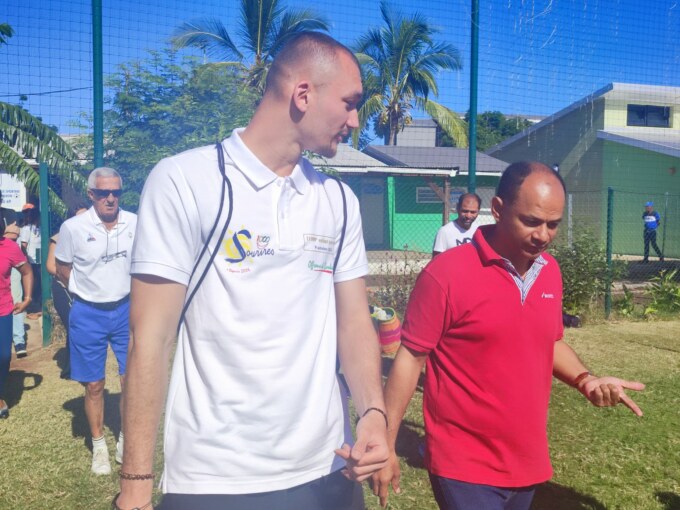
<point x="572" y="84"/>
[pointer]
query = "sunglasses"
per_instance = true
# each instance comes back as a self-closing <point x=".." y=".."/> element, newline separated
<point x="104" y="193"/>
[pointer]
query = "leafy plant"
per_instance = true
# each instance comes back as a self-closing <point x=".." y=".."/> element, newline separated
<point x="396" y="279"/>
<point x="625" y="305"/>
<point x="584" y="271"/>
<point x="665" y="293"/>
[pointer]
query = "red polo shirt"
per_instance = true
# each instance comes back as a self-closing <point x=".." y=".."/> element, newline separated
<point x="489" y="369"/>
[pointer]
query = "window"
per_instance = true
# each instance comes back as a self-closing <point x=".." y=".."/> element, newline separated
<point x="648" y="115"/>
<point x="426" y="195"/>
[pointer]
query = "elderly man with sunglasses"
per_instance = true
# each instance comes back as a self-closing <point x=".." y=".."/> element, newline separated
<point x="93" y="262"/>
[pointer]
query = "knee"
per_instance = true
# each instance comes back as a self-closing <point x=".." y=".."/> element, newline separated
<point x="95" y="390"/>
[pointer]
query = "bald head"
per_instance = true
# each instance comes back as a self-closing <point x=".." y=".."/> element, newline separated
<point x="310" y="52"/>
<point x="514" y="176"/>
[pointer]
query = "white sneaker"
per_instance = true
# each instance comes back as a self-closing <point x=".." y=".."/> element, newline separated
<point x="100" y="461"/>
<point x="119" y="452"/>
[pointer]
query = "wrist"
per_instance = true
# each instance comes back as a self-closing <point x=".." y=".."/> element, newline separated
<point x="376" y="411"/>
<point x="580" y="381"/>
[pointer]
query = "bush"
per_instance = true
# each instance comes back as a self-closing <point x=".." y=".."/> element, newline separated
<point x="665" y="293"/>
<point x="584" y="271"/>
<point x="396" y="279"/>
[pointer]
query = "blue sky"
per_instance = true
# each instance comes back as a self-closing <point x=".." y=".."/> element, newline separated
<point x="536" y="57"/>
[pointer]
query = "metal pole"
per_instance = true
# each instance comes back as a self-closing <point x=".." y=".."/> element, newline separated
<point x="570" y="223"/>
<point x="610" y="226"/>
<point x="44" y="245"/>
<point x="663" y="225"/>
<point x="447" y="201"/>
<point x="472" y="116"/>
<point x="98" y="83"/>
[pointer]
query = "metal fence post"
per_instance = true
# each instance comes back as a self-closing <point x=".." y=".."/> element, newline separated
<point x="45" y="279"/>
<point x="570" y="223"/>
<point x="610" y="227"/>
<point x="663" y="223"/>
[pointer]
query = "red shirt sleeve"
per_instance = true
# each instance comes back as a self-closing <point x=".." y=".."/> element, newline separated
<point x="16" y="256"/>
<point x="428" y="314"/>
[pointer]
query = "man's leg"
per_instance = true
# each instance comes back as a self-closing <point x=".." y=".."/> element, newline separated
<point x="654" y="245"/>
<point x="5" y="358"/>
<point x="88" y="366"/>
<point x="645" y="257"/>
<point x="456" y="495"/>
<point x="19" y="334"/>
<point x="331" y="492"/>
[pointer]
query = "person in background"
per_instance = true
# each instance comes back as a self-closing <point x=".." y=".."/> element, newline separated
<point x="93" y="261"/>
<point x="18" y="328"/>
<point x="651" y="220"/>
<point x="461" y="230"/>
<point x="29" y="240"/>
<point x="11" y="256"/>
<point x="60" y="295"/>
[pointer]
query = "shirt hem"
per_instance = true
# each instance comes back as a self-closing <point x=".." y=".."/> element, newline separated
<point x="495" y="482"/>
<point x="159" y="269"/>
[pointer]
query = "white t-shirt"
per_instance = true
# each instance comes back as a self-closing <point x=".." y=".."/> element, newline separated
<point x="452" y="235"/>
<point x="100" y="258"/>
<point x="30" y="234"/>
<point x="254" y="404"/>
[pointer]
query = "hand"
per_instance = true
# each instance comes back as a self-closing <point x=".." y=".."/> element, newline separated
<point x="389" y="475"/>
<point x="370" y="452"/>
<point x="21" y="306"/>
<point x="609" y="391"/>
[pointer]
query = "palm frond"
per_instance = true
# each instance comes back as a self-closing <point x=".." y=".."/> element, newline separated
<point x="210" y="35"/>
<point x="448" y="120"/>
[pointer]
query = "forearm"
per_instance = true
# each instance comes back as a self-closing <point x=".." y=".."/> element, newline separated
<point x="63" y="273"/>
<point x="155" y="305"/>
<point x="567" y="366"/>
<point x="401" y="383"/>
<point x="358" y="346"/>
<point x="27" y="281"/>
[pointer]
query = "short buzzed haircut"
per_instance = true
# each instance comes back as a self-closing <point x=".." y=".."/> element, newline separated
<point x="102" y="171"/>
<point x="303" y="47"/>
<point x="516" y="173"/>
<point x="462" y="198"/>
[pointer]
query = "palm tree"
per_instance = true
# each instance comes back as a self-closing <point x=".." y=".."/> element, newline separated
<point x="399" y="63"/>
<point x="24" y="136"/>
<point x="264" y="26"/>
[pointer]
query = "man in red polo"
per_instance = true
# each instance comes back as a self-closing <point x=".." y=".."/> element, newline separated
<point x="487" y="320"/>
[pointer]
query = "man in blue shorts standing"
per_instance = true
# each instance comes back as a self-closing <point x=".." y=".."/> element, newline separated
<point x="93" y="262"/>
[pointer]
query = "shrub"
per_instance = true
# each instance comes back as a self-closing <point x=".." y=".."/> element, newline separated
<point x="396" y="279"/>
<point x="584" y="271"/>
<point x="665" y="293"/>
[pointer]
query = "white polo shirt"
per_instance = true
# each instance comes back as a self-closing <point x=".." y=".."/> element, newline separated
<point x="452" y="235"/>
<point x="100" y="258"/>
<point x="254" y="404"/>
<point x="30" y="234"/>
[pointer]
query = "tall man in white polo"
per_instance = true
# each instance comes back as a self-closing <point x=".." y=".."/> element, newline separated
<point x="93" y="260"/>
<point x="256" y="418"/>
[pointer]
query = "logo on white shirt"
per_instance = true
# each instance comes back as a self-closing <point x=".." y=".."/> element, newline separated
<point x="91" y="238"/>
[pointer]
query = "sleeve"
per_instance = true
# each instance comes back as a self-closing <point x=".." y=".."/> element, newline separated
<point x="168" y="226"/>
<point x="428" y="314"/>
<point x="353" y="262"/>
<point x="17" y="257"/>
<point x="25" y="234"/>
<point x="439" y="242"/>
<point x="64" y="250"/>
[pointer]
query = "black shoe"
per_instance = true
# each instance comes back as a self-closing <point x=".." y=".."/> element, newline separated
<point x="645" y="261"/>
<point x="21" y="350"/>
<point x="4" y="413"/>
<point x="660" y="259"/>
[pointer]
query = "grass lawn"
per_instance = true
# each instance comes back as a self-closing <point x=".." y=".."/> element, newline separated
<point x="603" y="458"/>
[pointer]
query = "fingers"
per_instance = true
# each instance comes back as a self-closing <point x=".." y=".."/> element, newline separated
<point x="633" y="385"/>
<point x="628" y="402"/>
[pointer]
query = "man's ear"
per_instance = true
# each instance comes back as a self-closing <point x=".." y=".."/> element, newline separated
<point x="496" y="208"/>
<point x="301" y="94"/>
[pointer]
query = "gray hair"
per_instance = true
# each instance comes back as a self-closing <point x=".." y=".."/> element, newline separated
<point x="102" y="171"/>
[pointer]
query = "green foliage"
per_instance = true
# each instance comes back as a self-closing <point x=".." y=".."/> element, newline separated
<point x="665" y="293"/>
<point x="492" y="129"/>
<point x="400" y="61"/>
<point x="165" y="105"/>
<point x="584" y="271"/>
<point x="6" y="31"/>
<point x="395" y="280"/>
<point x="264" y="25"/>
<point x="625" y="305"/>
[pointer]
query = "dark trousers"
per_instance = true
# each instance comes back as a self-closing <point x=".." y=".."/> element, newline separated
<point x="5" y="350"/>
<point x="650" y="238"/>
<point x="456" y="495"/>
<point x="331" y="492"/>
<point x="36" y="303"/>
<point x="62" y="304"/>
